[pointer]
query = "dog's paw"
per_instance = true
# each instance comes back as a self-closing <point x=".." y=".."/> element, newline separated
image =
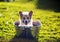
<point x="36" y="23"/>
<point x="16" y="23"/>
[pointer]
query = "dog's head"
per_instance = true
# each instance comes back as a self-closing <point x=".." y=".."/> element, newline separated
<point x="25" y="17"/>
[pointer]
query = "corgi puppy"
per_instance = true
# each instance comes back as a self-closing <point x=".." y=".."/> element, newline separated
<point x="26" y="20"/>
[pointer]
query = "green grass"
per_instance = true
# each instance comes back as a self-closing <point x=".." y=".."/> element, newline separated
<point x="49" y="31"/>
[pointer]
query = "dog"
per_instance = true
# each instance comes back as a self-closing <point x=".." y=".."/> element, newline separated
<point x="26" y="20"/>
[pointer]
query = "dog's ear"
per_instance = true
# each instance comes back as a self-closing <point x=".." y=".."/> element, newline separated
<point x="20" y="13"/>
<point x="30" y="14"/>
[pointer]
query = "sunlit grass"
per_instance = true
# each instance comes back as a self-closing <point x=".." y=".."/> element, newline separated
<point x="50" y="29"/>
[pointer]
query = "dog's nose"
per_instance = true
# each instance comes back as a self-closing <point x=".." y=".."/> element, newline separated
<point x="26" y="21"/>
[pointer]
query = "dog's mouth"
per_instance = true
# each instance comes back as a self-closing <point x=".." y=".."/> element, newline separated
<point x="26" y="22"/>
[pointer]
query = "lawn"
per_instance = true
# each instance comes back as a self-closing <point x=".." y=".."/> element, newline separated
<point x="49" y="31"/>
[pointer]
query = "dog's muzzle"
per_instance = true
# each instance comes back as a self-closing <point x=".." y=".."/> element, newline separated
<point x="26" y="21"/>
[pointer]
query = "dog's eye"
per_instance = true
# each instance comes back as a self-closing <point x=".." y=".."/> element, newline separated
<point x="23" y="17"/>
<point x="27" y="17"/>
